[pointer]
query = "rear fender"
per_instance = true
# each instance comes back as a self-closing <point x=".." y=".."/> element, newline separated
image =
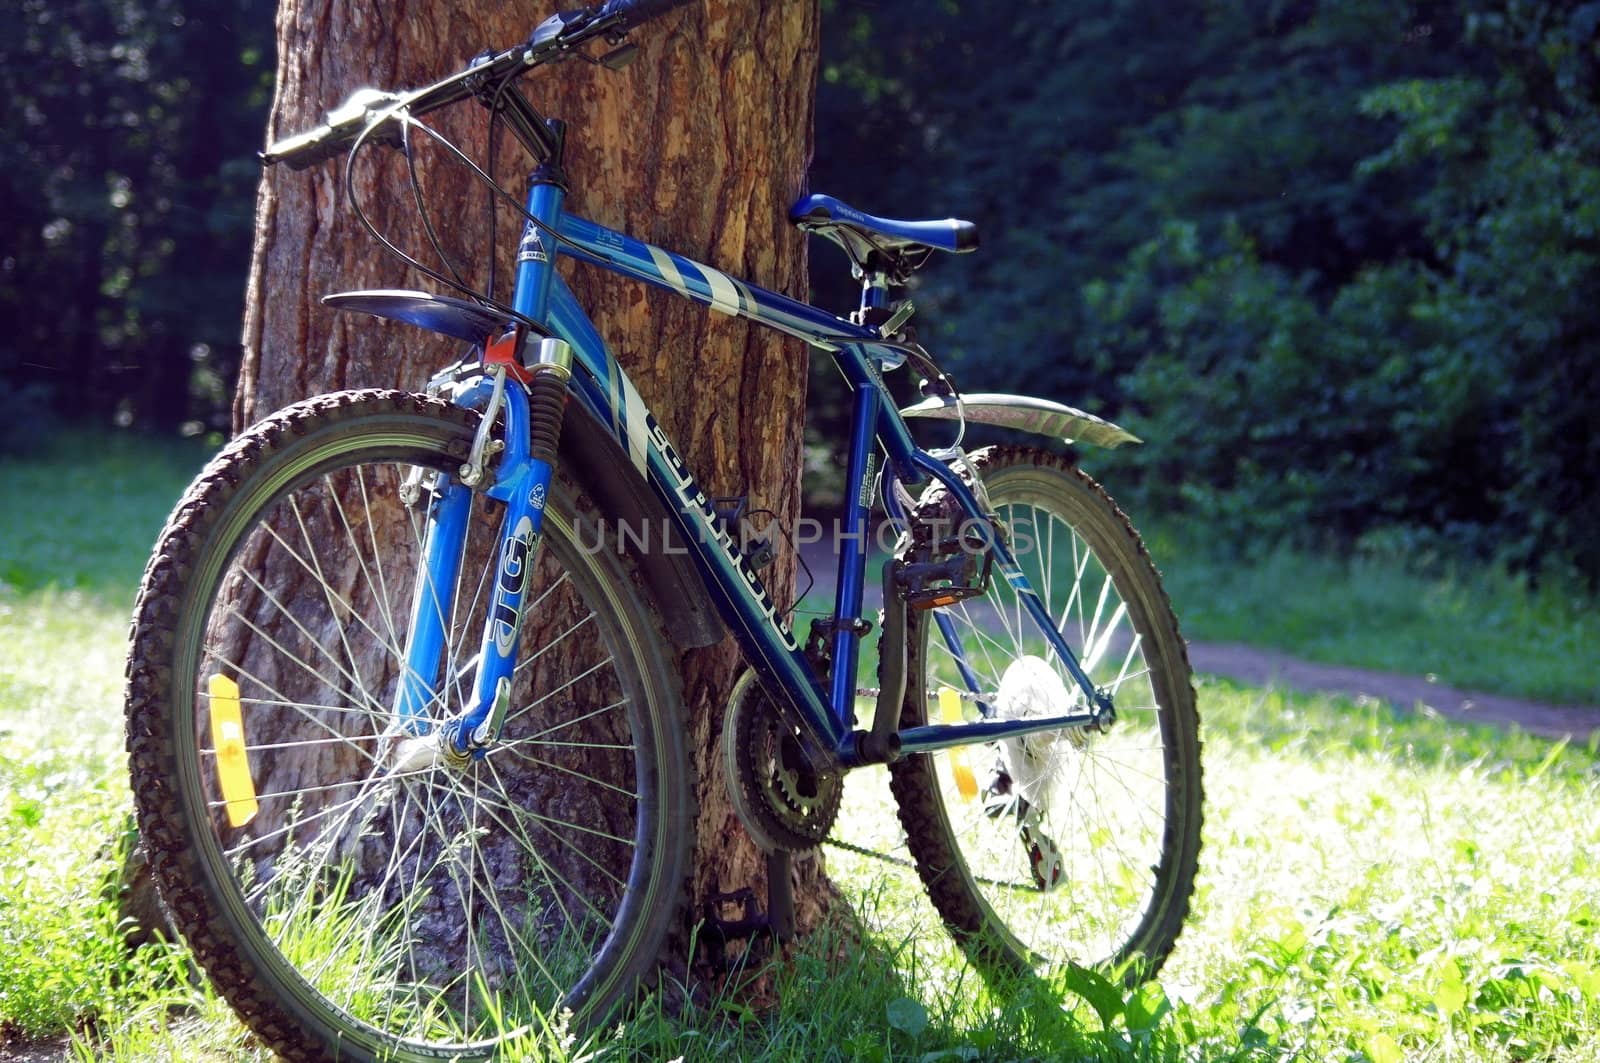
<point x="1026" y="414"/>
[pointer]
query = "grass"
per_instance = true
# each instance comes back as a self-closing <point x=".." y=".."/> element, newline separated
<point x="1479" y="629"/>
<point x="1374" y="886"/>
<point x="72" y="543"/>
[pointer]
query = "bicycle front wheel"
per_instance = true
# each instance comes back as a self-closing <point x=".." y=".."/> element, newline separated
<point x="1062" y="846"/>
<point x="349" y="896"/>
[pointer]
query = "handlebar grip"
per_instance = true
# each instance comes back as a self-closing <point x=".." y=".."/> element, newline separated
<point x="305" y="149"/>
<point x="631" y="13"/>
<point x="361" y="113"/>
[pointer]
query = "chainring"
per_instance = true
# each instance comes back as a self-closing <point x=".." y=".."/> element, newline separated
<point x="779" y="796"/>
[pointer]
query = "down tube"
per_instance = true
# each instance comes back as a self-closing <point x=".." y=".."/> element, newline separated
<point x="738" y="593"/>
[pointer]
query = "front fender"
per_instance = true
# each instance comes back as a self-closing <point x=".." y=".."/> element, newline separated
<point x="1026" y="414"/>
<point x="470" y="322"/>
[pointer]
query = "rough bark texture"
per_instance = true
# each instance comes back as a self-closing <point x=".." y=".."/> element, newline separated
<point x="700" y="145"/>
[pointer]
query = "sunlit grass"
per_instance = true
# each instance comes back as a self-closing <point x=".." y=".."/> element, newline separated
<point x="1372" y="884"/>
<point x="1374" y="887"/>
<point x="73" y="540"/>
<point x="1377" y="881"/>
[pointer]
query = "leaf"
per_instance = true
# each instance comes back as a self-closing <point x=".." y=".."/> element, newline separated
<point x="1146" y="1007"/>
<point x="1104" y="997"/>
<point x="1381" y="1048"/>
<point x="1585" y="976"/>
<point x="28" y="812"/>
<point x="907" y="1016"/>
<point x="1452" y="992"/>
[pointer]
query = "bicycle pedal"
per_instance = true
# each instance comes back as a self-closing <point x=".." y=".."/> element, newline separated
<point x="938" y="597"/>
<point x="931" y="584"/>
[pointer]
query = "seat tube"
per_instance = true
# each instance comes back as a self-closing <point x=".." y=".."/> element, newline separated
<point x="853" y="550"/>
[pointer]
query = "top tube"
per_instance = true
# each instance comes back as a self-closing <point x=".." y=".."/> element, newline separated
<point x="853" y="344"/>
<point x="711" y="287"/>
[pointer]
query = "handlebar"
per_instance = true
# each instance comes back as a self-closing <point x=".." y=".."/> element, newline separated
<point x="631" y="13"/>
<point x="344" y="124"/>
<point x="554" y="36"/>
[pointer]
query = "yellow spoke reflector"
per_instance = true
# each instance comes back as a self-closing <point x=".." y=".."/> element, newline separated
<point x="950" y="712"/>
<point x="233" y="762"/>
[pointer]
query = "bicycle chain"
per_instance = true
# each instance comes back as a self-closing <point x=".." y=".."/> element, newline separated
<point x="900" y="861"/>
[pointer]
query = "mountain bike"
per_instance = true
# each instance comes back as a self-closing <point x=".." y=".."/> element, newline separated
<point x="406" y="739"/>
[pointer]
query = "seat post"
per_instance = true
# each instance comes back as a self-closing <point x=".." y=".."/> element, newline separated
<point x="874" y="292"/>
<point x="877" y="289"/>
<point x="874" y="274"/>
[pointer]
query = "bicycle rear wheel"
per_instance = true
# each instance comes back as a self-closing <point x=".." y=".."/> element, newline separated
<point x="1067" y="845"/>
<point x="346" y="896"/>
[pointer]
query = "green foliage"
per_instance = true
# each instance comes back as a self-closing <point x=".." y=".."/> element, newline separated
<point x="1446" y="384"/>
<point x="1388" y="607"/>
<point x="1332" y="261"/>
<point x="87" y="509"/>
<point x="128" y="180"/>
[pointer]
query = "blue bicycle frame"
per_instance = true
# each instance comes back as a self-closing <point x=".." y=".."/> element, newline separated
<point x="600" y="385"/>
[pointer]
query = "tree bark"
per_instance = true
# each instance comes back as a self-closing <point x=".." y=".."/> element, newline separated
<point x="700" y="146"/>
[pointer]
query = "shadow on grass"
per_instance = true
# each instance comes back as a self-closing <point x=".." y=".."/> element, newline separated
<point x="847" y="993"/>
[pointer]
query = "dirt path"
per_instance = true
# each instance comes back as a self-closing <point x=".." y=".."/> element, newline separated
<point x="1258" y="667"/>
<point x="47" y="1051"/>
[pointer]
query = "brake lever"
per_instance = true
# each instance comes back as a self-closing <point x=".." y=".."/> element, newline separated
<point x="620" y="57"/>
<point x="559" y="25"/>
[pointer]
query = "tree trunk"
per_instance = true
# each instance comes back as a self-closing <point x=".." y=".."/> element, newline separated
<point x="700" y="145"/>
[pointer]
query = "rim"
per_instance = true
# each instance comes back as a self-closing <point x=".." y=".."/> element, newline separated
<point x="433" y="905"/>
<point x="1063" y="833"/>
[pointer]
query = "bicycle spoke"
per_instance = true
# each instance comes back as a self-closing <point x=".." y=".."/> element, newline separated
<point x="1065" y="848"/>
<point x="409" y="895"/>
<point x="301" y="710"/>
<point x="261" y="632"/>
<point x="511" y="750"/>
<point x="261" y="747"/>
<point x="547" y="695"/>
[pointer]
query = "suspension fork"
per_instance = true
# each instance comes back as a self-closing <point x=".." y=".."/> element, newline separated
<point x="522" y="479"/>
